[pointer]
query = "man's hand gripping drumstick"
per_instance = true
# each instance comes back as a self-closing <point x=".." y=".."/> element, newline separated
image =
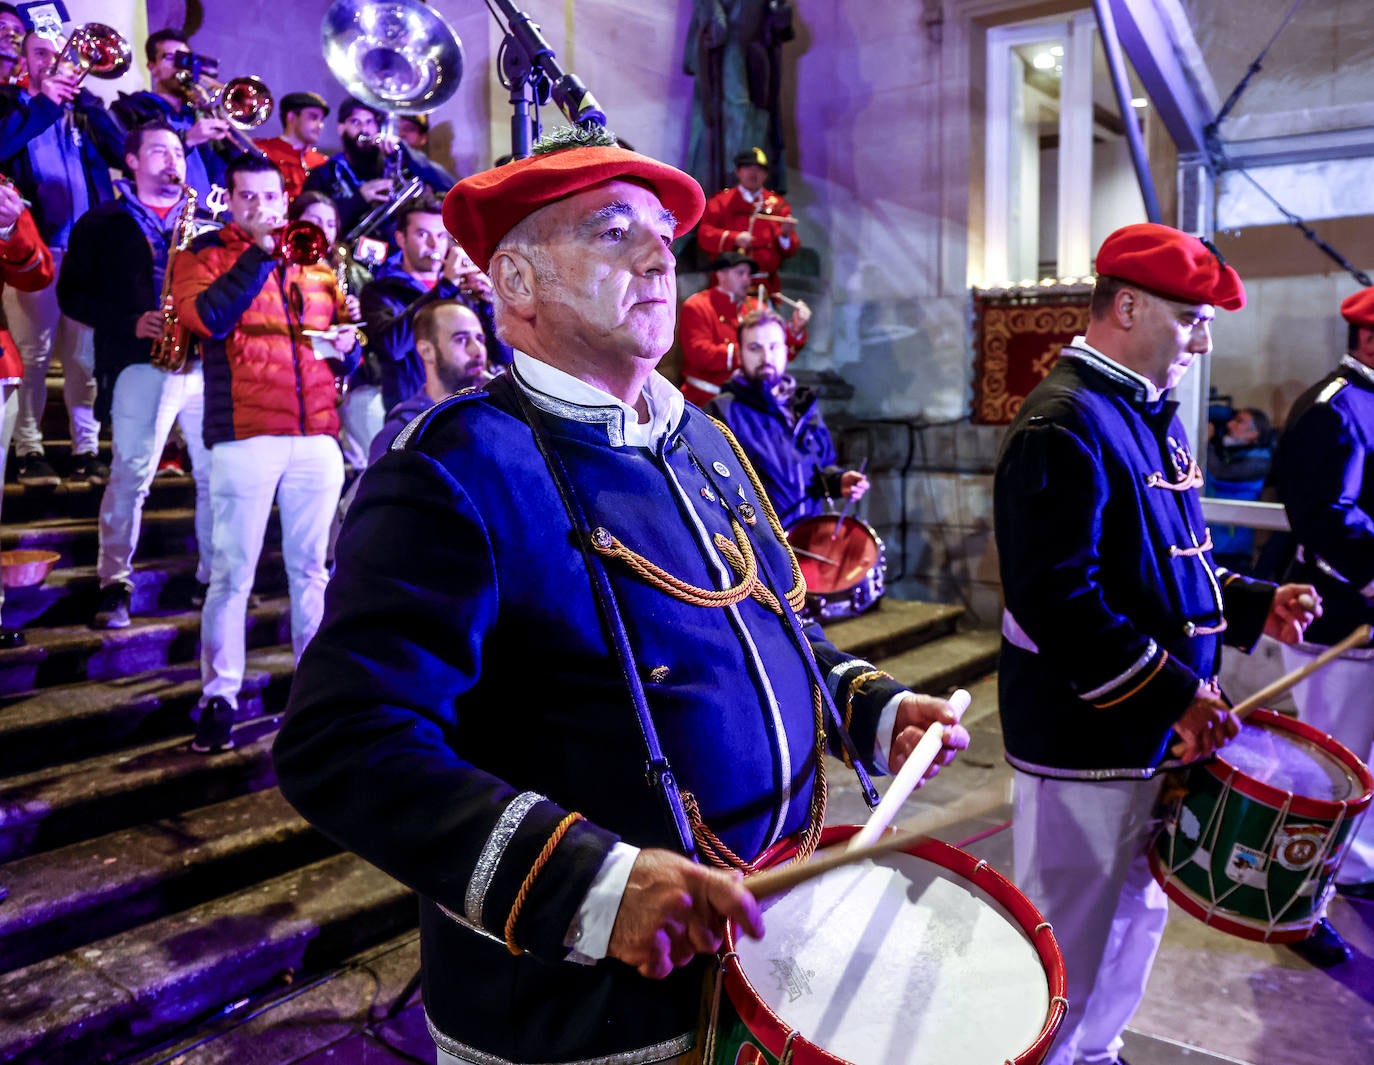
<point x="674" y="909"/>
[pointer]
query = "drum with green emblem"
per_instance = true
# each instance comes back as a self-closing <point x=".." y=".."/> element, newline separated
<point x="1251" y="841"/>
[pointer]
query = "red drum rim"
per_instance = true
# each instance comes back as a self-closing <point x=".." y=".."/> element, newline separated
<point x="1252" y="929"/>
<point x="1301" y="805"/>
<point x="770" y="1030"/>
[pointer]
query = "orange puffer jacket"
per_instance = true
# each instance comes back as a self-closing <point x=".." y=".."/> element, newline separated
<point x="261" y="375"/>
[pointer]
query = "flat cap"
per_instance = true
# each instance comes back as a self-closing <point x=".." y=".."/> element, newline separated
<point x="1172" y="263"/>
<point x="483" y="208"/>
<point x="726" y="259"/>
<point x="299" y="101"/>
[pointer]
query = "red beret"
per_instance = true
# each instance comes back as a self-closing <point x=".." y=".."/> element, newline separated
<point x="483" y="208"/>
<point x="1171" y="263"/>
<point x="1359" y="308"/>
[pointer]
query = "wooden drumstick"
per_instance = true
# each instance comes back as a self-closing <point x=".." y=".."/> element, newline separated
<point x="911" y="774"/>
<point x="1272" y="691"/>
<point x="844" y="514"/>
<point x="976" y="803"/>
<point x="1307" y="602"/>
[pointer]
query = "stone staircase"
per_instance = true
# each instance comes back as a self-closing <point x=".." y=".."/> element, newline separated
<point x="156" y="895"/>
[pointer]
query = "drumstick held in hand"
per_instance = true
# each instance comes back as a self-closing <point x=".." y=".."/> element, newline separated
<point x="847" y="504"/>
<point x="977" y="803"/>
<point x="811" y="554"/>
<point x="1272" y="691"/>
<point x="911" y="774"/>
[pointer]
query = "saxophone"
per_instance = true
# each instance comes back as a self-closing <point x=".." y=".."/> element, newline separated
<point x="170" y="349"/>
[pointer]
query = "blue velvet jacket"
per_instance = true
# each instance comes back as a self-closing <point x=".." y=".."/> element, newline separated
<point x="793" y="455"/>
<point x="460" y="698"/>
<point x="1112" y="604"/>
<point x="1325" y="474"/>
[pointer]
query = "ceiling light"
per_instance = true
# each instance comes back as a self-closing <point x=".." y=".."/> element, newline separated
<point x="1043" y="61"/>
<point x="1057" y="51"/>
<point x="1139" y="102"/>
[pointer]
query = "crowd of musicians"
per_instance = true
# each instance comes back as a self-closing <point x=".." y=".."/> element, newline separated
<point x="535" y="492"/>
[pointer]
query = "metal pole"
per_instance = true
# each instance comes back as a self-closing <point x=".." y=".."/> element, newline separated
<point x="1116" y="63"/>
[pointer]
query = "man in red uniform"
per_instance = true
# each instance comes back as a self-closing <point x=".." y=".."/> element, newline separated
<point x="742" y="219"/>
<point x="709" y="322"/>
<point x="294" y="152"/>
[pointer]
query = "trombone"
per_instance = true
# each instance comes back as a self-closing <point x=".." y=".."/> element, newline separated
<point x="95" y="49"/>
<point x="244" y="103"/>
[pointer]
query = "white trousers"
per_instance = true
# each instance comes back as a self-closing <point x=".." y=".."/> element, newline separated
<point x="145" y="404"/>
<point x="361" y="416"/>
<point x="40" y="331"/>
<point x="1335" y="700"/>
<point x="9" y="409"/>
<point x="1080" y="855"/>
<point x="303" y="474"/>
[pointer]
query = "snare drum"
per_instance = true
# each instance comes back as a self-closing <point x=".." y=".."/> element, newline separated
<point x="845" y="572"/>
<point x="876" y="962"/>
<point x="1253" y="845"/>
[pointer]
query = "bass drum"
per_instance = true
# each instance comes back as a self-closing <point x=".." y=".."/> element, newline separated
<point x="845" y="567"/>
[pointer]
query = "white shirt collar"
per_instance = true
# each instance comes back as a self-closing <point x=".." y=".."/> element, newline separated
<point x="664" y="400"/>
<point x="752" y="197"/>
<point x="1152" y="391"/>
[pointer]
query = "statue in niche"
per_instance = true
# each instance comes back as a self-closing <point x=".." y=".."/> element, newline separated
<point x="734" y="53"/>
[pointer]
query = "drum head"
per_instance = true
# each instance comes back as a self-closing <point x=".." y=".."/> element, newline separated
<point x="843" y="562"/>
<point x="899" y="962"/>
<point x="1289" y="761"/>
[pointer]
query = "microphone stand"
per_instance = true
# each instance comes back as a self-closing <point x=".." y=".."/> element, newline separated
<point x="526" y="60"/>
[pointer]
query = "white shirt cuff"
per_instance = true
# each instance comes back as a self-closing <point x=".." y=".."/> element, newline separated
<point x="589" y="935"/>
<point x="8" y="231"/>
<point x="887" y="724"/>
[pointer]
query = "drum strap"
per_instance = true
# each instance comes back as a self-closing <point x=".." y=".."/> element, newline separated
<point x="658" y="773"/>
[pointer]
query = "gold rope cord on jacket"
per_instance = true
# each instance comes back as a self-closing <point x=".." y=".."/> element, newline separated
<point x="714" y="849"/>
<point x="1192" y="479"/>
<point x="796" y="598"/>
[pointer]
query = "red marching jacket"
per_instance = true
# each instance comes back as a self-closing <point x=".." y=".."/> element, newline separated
<point x="728" y="214"/>
<point x="261" y="374"/>
<point x="25" y="263"/>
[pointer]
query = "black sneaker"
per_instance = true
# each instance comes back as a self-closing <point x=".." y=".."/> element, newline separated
<point x="113" y="612"/>
<point x="34" y="471"/>
<point x="214" y="727"/>
<point x="87" y="466"/>
<point x="1324" y="948"/>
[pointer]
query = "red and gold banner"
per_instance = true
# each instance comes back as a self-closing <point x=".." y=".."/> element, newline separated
<point x="1017" y="337"/>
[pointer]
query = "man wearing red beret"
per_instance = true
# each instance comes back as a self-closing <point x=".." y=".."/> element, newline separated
<point x="1326" y="483"/>
<point x="561" y="652"/>
<point x="1115" y="616"/>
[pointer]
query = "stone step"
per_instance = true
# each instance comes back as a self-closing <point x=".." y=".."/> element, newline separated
<point x="122" y="994"/>
<point x="893" y="626"/>
<point x="58" y="805"/>
<point x="70" y="595"/>
<point x="71" y="896"/>
<point x="346" y="1017"/>
<point x="939" y="667"/>
<point x="81" y="720"/>
<point x="164" y="532"/>
<point x="72" y="499"/>
<point x="68" y="654"/>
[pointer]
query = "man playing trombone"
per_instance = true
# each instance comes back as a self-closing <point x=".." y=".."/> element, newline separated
<point x="205" y="136"/>
<point x="58" y="143"/>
